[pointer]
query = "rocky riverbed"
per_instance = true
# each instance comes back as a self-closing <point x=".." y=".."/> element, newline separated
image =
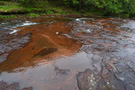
<point x="67" y="54"/>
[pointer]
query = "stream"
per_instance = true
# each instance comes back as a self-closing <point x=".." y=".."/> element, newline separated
<point x="67" y="54"/>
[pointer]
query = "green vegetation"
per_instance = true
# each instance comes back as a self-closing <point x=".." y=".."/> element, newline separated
<point x="10" y="7"/>
<point x="107" y="7"/>
<point x="35" y="8"/>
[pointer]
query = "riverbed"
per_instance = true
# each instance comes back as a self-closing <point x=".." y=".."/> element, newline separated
<point x="82" y="53"/>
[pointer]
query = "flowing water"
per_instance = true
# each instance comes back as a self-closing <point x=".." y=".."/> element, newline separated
<point x="67" y="54"/>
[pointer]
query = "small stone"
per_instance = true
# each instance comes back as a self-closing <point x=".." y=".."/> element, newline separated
<point x="110" y="66"/>
<point x="104" y="71"/>
<point x="91" y="75"/>
<point x="114" y="61"/>
<point x="108" y="83"/>
<point x="91" y="81"/>
<point x="57" y="33"/>
<point x="122" y="79"/>
<point x="90" y="88"/>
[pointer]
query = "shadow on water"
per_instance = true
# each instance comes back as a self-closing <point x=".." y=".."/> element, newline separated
<point x="67" y="54"/>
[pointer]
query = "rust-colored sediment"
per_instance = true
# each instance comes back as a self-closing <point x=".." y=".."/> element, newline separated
<point x="43" y="39"/>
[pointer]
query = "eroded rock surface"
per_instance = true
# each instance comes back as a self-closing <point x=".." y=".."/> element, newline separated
<point x="12" y="86"/>
<point x="98" y="52"/>
<point x="110" y="47"/>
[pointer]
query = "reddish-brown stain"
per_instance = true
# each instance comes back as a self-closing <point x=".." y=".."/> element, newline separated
<point x="43" y="36"/>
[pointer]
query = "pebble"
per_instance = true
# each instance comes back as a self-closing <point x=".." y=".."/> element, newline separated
<point x="57" y="33"/>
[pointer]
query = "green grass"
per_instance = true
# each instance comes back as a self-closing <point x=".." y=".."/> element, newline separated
<point x="33" y="15"/>
<point x="2" y="17"/>
<point x="11" y="7"/>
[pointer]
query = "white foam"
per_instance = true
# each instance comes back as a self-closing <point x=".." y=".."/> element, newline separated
<point x="27" y="23"/>
<point x="130" y="25"/>
<point x="13" y="31"/>
<point x="77" y="19"/>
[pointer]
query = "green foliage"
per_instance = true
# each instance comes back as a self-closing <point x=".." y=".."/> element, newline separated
<point x="10" y="7"/>
<point x="2" y="3"/>
<point x="28" y="3"/>
<point x="131" y="7"/>
<point x="33" y="15"/>
<point x="108" y="7"/>
<point x="2" y="17"/>
<point x="124" y="8"/>
<point x="49" y="12"/>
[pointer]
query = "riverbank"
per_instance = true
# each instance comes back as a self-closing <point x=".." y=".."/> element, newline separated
<point x="9" y="10"/>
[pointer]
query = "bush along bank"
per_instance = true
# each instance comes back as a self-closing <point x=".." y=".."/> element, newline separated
<point x="35" y="8"/>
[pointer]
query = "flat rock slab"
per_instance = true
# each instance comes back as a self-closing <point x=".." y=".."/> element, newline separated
<point x="12" y="86"/>
<point x="86" y="80"/>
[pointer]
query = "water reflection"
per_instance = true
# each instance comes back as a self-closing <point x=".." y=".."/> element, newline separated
<point x="46" y="77"/>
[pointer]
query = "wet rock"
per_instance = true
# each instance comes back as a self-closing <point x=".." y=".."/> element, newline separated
<point x="3" y="57"/>
<point x="45" y="51"/>
<point x="97" y="60"/>
<point x="29" y="88"/>
<point x="129" y="25"/>
<point x="86" y="80"/>
<point x="11" y="42"/>
<point x="3" y="85"/>
<point x="104" y="71"/>
<point x="13" y="86"/>
<point x="62" y="71"/>
<point x="110" y="64"/>
<point x="111" y="82"/>
<point x="126" y="76"/>
<point x="120" y="78"/>
<point x="121" y="67"/>
<point x="131" y="65"/>
<point x="108" y="45"/>
<point x="98" y="47"/>
<point x="130" y="87"/>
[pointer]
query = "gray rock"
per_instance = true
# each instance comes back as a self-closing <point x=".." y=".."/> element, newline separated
<point x="86" y="80"/>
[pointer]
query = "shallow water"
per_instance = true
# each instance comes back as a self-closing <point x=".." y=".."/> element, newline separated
<point x="53" y="54"/>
